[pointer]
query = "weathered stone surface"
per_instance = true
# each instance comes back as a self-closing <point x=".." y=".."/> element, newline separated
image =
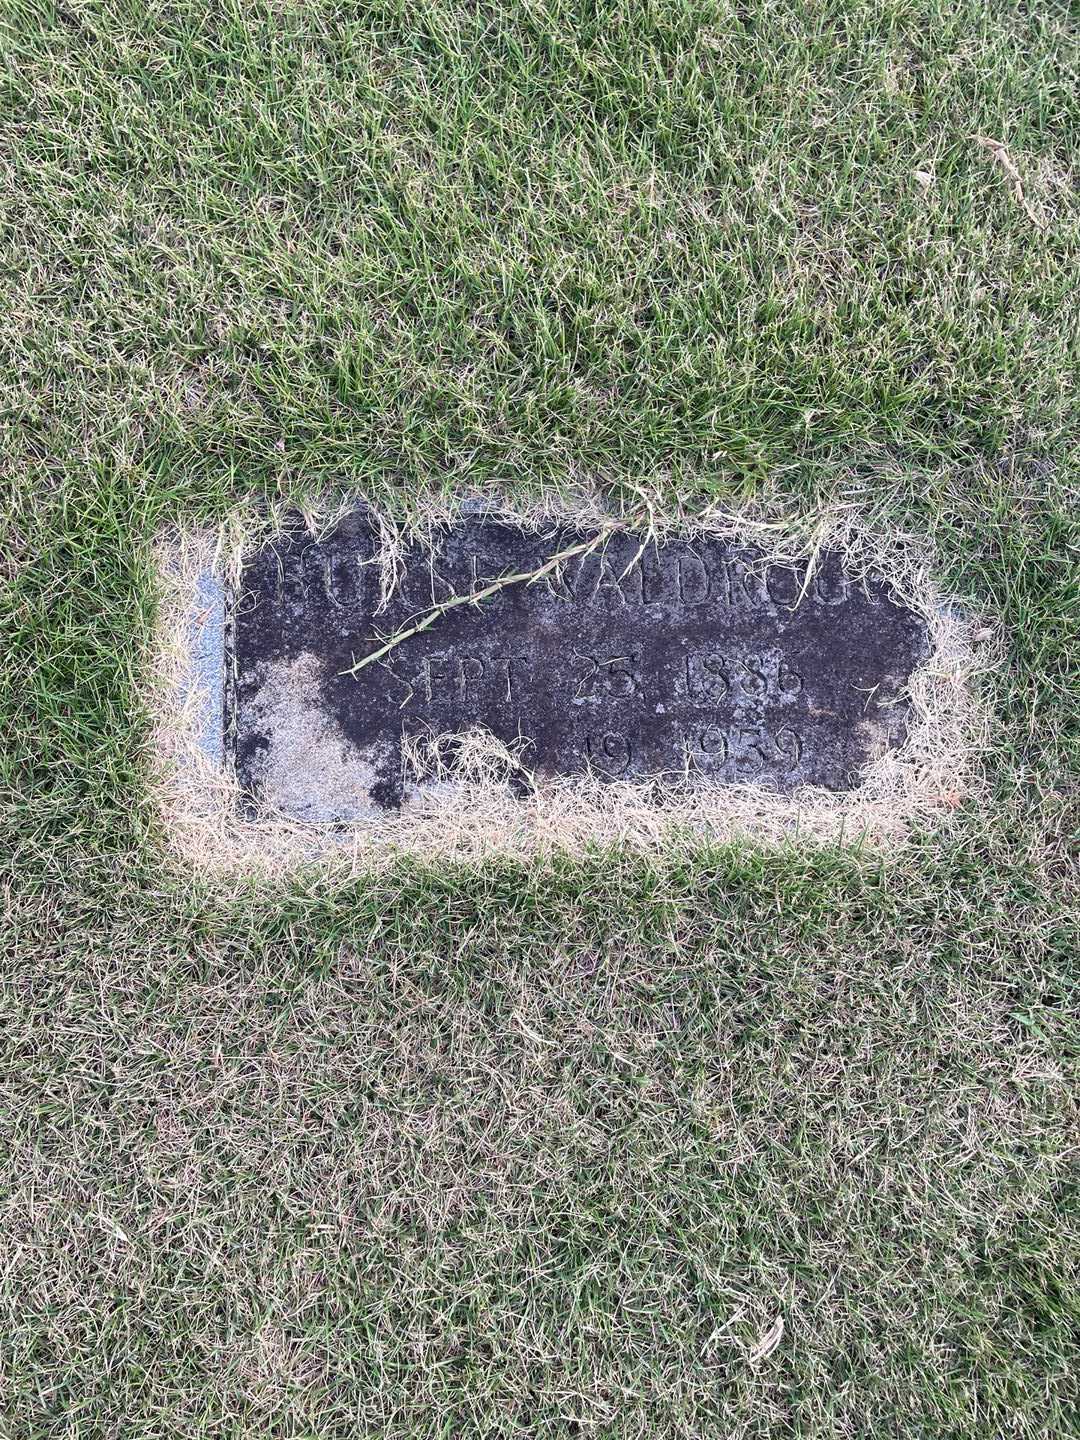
<point x="688" y="660"/>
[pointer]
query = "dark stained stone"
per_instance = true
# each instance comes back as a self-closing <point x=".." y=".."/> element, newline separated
<point x="687" y="660"/>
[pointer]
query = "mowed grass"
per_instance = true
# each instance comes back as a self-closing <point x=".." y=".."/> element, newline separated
<point x="699" y="1144"/>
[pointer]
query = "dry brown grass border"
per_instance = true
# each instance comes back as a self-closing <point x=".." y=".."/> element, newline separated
<point x="473" y="813"/>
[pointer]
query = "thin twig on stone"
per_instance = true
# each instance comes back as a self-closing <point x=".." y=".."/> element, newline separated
<point x="525" y="577"/>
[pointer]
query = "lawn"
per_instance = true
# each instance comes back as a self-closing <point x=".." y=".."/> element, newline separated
<point x="706" y="1142"/>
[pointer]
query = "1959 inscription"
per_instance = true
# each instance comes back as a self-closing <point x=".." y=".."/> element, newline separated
<point x="690" y="660"/>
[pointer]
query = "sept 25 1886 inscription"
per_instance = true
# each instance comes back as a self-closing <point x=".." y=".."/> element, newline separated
<point x="688" y="659"/>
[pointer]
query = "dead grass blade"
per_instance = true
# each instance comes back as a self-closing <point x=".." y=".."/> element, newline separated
<point x="998" y="150"/>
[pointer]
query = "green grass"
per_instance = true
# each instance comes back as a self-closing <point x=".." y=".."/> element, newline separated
<point x="540" y="1149"/>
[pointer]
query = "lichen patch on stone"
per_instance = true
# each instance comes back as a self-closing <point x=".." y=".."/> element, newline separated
<point x="303" y="767"/>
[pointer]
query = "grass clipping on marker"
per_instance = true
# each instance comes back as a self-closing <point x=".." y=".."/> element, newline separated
<point x="469" y="810"/>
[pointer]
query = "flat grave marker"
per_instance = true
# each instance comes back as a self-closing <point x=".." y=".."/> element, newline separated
<point x="688" y="660"/>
